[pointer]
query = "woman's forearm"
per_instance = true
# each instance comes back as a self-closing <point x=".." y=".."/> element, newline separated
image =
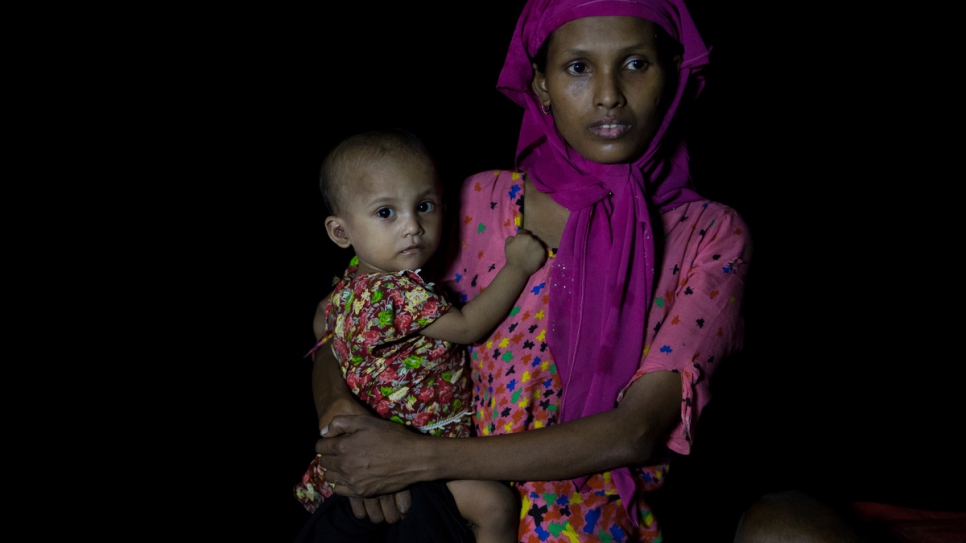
<point x="371" y="457"/>
<point x="627" y="435"/>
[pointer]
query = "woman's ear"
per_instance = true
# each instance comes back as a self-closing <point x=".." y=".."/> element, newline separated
<point x="539" y="86"/>
<point x="336" y="231"/>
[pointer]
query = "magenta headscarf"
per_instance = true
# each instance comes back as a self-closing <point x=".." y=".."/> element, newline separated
<point x="603" y="273"/>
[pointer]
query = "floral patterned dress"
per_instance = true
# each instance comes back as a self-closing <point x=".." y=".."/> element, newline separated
<point x="388" y="364"/>
<point x="694" y="321"/>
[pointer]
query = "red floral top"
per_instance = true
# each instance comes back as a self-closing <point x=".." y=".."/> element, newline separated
<point x="388" y="364"/>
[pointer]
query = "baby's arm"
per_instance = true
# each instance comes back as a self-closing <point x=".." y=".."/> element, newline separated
<point x="469" y="324"/>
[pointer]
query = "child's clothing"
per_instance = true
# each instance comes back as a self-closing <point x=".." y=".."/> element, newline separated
<point x="401" y="374"/>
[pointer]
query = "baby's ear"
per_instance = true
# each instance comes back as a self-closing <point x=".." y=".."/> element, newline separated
<point x="336" y="231"/>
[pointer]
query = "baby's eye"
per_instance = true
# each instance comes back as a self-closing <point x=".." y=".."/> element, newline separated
<point x="385" y="212"/>
<point x="577" y="67"/>
<point x="426" y="207"/>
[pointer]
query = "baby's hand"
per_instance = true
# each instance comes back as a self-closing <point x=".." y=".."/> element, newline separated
<point x="525" y="251"/>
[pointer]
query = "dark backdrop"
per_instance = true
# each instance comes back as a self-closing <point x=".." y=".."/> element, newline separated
<point x="847" y="384"/>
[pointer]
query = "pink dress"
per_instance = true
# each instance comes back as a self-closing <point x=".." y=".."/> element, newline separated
<point x="388" y="364"/>
<point x="694" y="322"/>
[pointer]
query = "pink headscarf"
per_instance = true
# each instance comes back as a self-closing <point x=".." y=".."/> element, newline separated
<point x="603" y="273"/>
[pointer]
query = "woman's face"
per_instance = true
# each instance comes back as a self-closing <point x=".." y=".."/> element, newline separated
<point x="604" y="83"/>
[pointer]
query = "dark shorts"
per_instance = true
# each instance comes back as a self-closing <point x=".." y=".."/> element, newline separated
<point x="433" y="518"/>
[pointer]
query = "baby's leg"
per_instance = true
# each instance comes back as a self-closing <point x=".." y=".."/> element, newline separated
<point x="491" y="506"/>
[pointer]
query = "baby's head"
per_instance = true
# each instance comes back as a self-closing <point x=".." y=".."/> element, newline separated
<point x="384" y="199"/>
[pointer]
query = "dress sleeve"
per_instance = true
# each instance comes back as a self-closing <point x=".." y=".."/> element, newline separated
<point x="401" y="305"/>
<point x="489" y="212"/>
<point x="696" y="316"/>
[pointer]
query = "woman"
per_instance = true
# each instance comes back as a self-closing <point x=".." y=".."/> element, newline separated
<point x="603" y="366"/>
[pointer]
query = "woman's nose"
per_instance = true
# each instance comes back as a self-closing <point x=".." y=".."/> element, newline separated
<point x="607" y="90"/>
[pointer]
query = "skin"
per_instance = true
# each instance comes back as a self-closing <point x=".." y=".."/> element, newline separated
<point x="360" y="451"/>
<point x="605" y="85"/>
<point x="393" y="220"/>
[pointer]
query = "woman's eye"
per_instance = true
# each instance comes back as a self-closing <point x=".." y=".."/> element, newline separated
<point x="385" y="212"/>
<point x="576" y="67"/>
<point x="426" y="207"/>
<point x="637" y="64"/>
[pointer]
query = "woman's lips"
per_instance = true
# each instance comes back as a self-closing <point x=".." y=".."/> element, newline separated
<point x="609" y="129"/>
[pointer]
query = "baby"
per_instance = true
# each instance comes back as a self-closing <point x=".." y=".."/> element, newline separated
<point x="396" y="337"/>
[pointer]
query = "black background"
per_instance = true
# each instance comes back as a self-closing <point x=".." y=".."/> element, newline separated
<point x="848" y="385"/>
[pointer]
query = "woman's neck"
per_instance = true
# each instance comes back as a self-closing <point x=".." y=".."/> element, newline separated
<point x="543" y="217"/>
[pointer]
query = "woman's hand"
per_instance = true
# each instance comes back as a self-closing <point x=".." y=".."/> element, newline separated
<point x="365" y="456"/>
<point x="389" y="508"/>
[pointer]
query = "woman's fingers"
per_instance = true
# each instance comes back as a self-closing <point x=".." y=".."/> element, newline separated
<point x="334" y="428"/>
<point x="339" y="425"/>
<point x="382" y="509"/>
<point x="404" y="501"/>
<point x="390" y="513"/>
<point x="361" y="454"/>
<point x="359" y="508"/>
<point x="367" y="508"/>
<point x="374" y="510"/>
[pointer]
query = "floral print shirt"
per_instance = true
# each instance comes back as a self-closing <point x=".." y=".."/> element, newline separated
<point x="388" y="364"/>
<point x="694" y="322"/>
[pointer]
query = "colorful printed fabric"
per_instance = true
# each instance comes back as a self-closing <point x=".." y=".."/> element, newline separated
<point x="388" y="364"/>
<point x="608" y="249"/>
<point x="695" y="321"/>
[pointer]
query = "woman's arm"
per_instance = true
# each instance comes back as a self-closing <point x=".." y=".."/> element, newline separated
<point x="363" y="454"/>
<point x="651" y="405"/>
<point x="332" y="398"/>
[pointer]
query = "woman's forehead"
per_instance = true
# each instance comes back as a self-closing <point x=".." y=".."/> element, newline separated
<point x="561" y="12"/>
<point x="593" y="34"/>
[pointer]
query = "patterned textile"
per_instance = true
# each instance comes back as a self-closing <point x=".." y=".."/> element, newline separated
<point x="607" y="247"/>
<point x="388" y="364"/>
<point x="695" y="321"/>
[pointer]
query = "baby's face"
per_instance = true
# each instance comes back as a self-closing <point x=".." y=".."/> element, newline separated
<point x="393" y="214"/>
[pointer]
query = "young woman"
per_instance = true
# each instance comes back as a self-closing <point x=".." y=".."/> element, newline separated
<point x="580" y="395"/>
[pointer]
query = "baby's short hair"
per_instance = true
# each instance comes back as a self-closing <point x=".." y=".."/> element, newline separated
<point x="357" y="151"/>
